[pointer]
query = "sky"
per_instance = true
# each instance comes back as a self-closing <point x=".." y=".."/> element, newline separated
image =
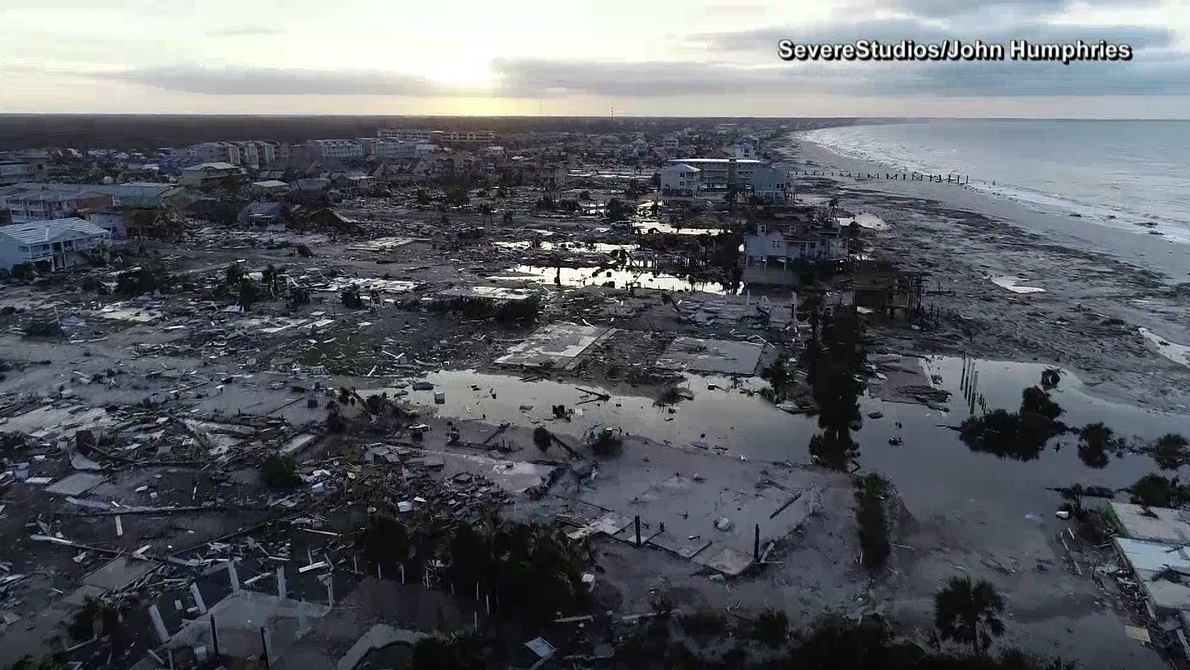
<point x="575" y="58"/>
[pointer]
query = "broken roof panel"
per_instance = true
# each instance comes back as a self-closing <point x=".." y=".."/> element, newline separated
<point x="722" y="356"/>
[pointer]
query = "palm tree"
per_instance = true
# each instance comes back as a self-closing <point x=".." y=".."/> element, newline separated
<point x="969" y="613"/>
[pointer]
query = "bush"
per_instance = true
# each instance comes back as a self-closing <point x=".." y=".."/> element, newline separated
<point x="277" y="471"/>
<point x="607" y="443"/>
<point x="873" y="524"/>
<point x="43" y="329"/>
<point x="140" y="281"/>
<point x="351" y="298"/>
<point x="23" y="272"/>
<point x="457" y="196"/>
<point x="1158" y="491"/>
<point x="1037" y="401"/>
<point x="771" y="627"/>
<point x="542" y="437"/>
<point x="1170" y="451"/>
<point x="335" y="423"/>
<point x="703" y="625"/>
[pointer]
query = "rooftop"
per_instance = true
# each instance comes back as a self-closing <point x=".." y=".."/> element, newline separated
<point x="42" y="231"/>
<point x="1158" y="524"/>
<point x="719" y="161"/>
<point x="210" y="166"/>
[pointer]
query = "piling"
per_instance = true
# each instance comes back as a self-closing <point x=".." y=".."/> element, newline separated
<point x="214" y="638"/>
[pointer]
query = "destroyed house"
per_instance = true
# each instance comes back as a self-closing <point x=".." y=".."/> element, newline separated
<point x="209" y="174"/>
<point x="270" y="187"/>
<point x="881" y="286"/>
<point x="50" y="245"/>
<point x="263" y="214"/>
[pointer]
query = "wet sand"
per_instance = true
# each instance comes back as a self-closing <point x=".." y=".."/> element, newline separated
<point x="1101" y="284"/>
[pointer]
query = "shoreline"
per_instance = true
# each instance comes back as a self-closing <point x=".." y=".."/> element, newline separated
<point x="1117" y="220"/>
<point x="1100" y="286"/>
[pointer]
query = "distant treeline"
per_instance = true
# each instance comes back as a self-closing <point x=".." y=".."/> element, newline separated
<point x="136" y="131"/>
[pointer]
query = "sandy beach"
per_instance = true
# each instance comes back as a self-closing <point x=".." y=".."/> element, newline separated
<point x="1112" y="303"/>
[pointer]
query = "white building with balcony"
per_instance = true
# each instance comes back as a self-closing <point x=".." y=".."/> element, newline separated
<point x="680" y="180"/>
<point x="335" y="149"/>
<point x="50" y="245"/>
<point x="214" y="152"/>
<point x="697" y="177"/>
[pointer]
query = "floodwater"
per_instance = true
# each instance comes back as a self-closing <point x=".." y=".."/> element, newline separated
<point x="653" y="226"/>
<point x="865" y="220"/>
<point x="1013" y="284"/>
<point x="1178" y="353"/>
<point x="544" y="245"/>
<point x="935" y="472"/>
<point x="602" y="276"/>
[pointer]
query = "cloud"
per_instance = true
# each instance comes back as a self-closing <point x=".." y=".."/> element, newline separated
<point x="283" y="81"/>
<point x="896" y="29"/>
<point x="547" y="78"/>
<point x="245" y="32"/>
<point x="1157" y="67"/>
<point x="947" y="9"/>
<point x="1165" y="75"/>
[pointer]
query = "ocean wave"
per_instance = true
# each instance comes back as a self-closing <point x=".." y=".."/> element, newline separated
<point x="861" y="143"/>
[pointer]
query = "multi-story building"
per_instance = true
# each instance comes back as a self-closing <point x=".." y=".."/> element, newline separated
<point x="214" y="152"/>
<point x="774" y="247"/>
<point x="696" y="177"/>
<point x="35" y="202"/>
<point x="335" y="149"/>
<point x="256" y="154"/>
<point x="14" y="173"/>
<point x="208" y="174"/>
<point x="435" y="136"/>
<point x="680" y="180"/>
<point x="49" y="245"/>
<point x="389" y="150"/>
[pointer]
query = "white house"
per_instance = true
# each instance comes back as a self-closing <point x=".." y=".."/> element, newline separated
<point x="44" y="202"/>
<point x="50" y="245"/>
<point x="14" y="173"/>
<point x="270" y="187"/>
<point x="389" y="150"/>
<point x="772" y="184"/>
<point x="756" y="177"/>
<point x="206" y="174"/>
<point x="773" y="248"/>
<point x="335" y="149"/>
<point x="417" y="135"/>
<point x="680" y="180"/>
<point x="214" y="152"/>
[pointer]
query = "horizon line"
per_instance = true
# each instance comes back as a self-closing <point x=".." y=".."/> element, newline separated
<point x="582" y="116"/>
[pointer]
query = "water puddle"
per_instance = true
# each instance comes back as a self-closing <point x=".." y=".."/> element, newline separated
<point x="865" y="220"/>
<point x="653" y="227"/>
<point x="602" y="276"/>
<point x="935" y="472"/>
<point x="1178" y="353"/>
<point x="367" y="285"/>
<point x="1012" y="283"/>
<point x="579" y="247"/>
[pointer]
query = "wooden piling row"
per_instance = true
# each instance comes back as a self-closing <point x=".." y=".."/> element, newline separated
<point x="958" y="179"/>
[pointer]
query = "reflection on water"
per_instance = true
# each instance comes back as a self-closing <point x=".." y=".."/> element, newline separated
<point x="603" y="276"/>
<point x="934" y="472"/>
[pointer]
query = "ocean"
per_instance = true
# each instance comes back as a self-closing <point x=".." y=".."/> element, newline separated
<point x="1117" y="173"/>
